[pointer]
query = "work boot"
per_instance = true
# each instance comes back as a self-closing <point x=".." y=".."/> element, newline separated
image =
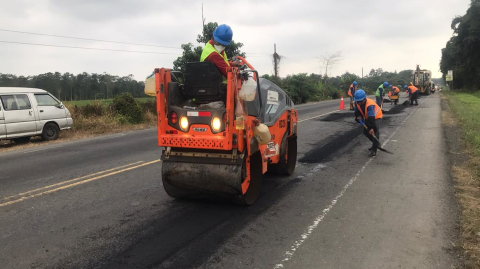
<point x="372" y="153"/>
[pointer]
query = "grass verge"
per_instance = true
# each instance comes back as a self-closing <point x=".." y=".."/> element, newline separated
<point x="462" y="125"/>
<point x="103" y="101"/>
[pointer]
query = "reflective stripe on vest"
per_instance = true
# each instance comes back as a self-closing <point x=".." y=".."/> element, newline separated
<point x="209" y="49"/>
<point x="370" y="102"/>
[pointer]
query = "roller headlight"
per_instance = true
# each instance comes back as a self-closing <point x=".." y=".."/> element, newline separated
<point x="216" y="124"/>
<point x="184" y="123"/>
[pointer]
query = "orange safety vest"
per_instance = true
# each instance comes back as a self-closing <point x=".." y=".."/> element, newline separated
<point x="370" y="102"/>
<point x="350" y="93"/>
<point x="412" y="89"/>
<point x="396" y="90"/>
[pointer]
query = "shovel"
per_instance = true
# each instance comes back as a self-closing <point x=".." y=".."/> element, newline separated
<point x="376" y="139"/>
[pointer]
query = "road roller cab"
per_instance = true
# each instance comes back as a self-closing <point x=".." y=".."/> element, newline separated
<point x="219" y="136"/>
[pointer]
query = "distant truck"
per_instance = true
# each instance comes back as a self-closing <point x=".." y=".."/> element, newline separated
<point x="422" y="79"/>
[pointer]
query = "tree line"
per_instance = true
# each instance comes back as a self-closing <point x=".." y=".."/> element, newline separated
<point x="461" y="53"/>
<point x="305" y="87"/>
<point x="301" y="88"/>
<point x="82" y="86"/>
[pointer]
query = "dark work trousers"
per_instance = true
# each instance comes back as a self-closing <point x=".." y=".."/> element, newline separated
<point x="414" y="97"/>
<point x="379" y="100"/>
<point x="377" y="134"/>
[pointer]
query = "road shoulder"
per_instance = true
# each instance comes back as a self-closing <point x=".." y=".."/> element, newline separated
<point x="399" y="212"/>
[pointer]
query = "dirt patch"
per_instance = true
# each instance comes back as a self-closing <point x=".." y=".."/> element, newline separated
<point x="465" y="169"/>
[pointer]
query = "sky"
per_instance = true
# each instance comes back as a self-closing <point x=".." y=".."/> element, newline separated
<point x="392" y="35"/>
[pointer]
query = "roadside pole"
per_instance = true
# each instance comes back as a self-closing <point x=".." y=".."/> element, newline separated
<point x="449" y="78"/>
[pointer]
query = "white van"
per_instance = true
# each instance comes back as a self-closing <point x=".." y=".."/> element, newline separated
<point x="26" y="112"/>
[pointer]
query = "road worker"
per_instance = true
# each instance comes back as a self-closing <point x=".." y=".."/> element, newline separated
<point x="351" y="93"/>
<point x="371" y="114"/>
<point x="214" y="50"/>
<point x="393" y="94"/>
<point x="412" y="93"/>
<point x="395" y="90"/>
<point x="380" y="93"/>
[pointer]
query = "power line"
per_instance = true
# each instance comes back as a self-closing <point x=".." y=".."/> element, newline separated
<point x="85" y="48"/>
<point x="258" y="53"/>
<point x="299" y="62"/>
<point x="89" y="39"/>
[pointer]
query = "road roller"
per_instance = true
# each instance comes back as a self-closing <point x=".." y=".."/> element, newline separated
<point x="220" y="135"/>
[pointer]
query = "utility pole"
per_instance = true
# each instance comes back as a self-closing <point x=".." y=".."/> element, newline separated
<point x="276" y="62"/>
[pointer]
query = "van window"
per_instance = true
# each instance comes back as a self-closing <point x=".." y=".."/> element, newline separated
<point x="15" y="102"/>
<point x="45" y="100"/>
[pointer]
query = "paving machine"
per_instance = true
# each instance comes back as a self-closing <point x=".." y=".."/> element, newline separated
<point x="218" y="140"/>
<point x="422" y="79"/>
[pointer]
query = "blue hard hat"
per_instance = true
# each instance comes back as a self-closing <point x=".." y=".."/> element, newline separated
<point x="389" y="86"/>
<point x="223" y="34"/>
<point x="354" y="83"/>
<point x="360" y="95"/>
<point x="385" y="84"/>
<point x="404" y="86"/>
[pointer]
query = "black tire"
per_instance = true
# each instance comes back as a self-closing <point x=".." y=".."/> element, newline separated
<point x="22" y="140"/>
<point x="427" y="91"/>
<point x="288" y="159"/>
<point x="256" y="175"/>
<point x="50" y="132"/>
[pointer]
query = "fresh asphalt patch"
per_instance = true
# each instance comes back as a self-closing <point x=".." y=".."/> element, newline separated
<point x="323" y="150"/>
<point x="330" y="145"/>
<point x="337" y="116"/>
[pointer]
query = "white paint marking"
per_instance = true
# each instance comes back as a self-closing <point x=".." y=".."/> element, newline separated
<point x="42" y="149"/>
<point x="296" y="245"/>
<point x="319" y="115"/>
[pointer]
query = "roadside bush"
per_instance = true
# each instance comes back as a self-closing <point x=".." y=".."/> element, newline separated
<point x="149" y="106"/>
<point x="95" y="109"/>
<point x="125" y="105"/>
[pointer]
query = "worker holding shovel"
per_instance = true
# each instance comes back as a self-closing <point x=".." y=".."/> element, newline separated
<point x="369" y="114"/>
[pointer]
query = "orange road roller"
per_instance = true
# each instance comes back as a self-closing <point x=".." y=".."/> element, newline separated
<point x="219" y="136"/>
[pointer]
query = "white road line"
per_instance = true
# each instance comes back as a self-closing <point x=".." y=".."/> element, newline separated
<point x="319" y="116"/>
<point x="41" y="149"/>
<point x="296" y="245"/>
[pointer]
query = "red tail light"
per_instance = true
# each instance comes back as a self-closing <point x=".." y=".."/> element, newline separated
<point x="173" y="117"/>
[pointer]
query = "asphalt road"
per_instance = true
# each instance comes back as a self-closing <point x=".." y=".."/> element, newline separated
<point x="99" y="203"/>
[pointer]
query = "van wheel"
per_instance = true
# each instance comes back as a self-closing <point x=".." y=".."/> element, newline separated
<point x="22" y="140"/>
<point x="50" y="132"/>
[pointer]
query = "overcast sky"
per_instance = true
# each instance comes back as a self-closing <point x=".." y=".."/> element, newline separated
<point x="393" y="35"/>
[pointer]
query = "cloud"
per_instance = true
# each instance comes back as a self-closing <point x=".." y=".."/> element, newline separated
<point x="393" y="35"/>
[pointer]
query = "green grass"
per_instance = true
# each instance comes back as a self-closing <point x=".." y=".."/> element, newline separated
<point x="104" y="101"/>
<point x="466" y="107"/>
